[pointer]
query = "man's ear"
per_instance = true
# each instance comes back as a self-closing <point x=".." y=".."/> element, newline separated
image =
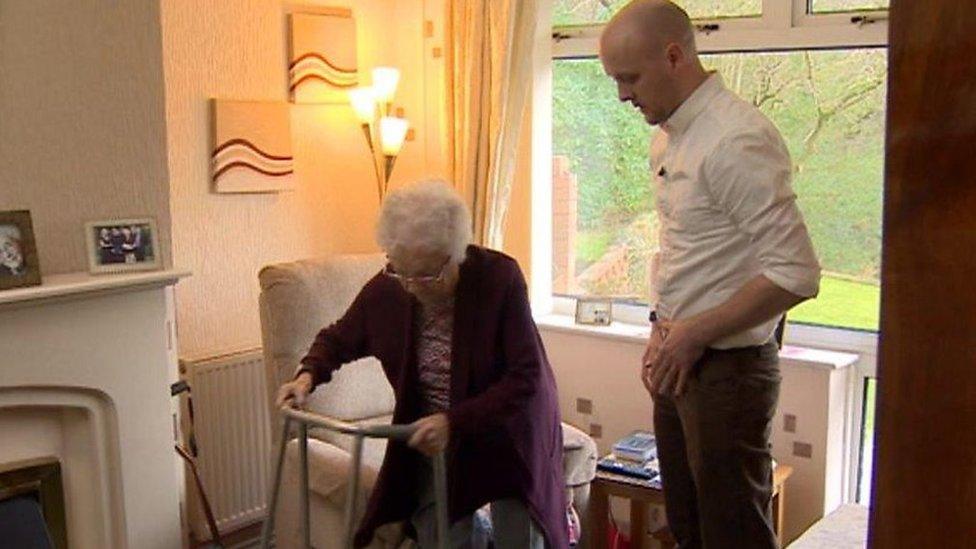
<point x="674" y="54"/>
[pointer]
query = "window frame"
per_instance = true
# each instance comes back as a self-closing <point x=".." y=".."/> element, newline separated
<point x="783" y="26"/>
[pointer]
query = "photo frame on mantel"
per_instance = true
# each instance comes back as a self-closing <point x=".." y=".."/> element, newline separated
<point x="19" y="266"/>
<point x="122" y="245"/>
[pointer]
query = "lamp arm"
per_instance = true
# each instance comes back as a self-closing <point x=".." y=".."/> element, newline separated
<point x="367" y="131"/>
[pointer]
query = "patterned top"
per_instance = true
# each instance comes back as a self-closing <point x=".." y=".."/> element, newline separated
<point x="434" y="328"/>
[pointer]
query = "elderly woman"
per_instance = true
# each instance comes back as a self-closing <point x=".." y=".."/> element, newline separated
<point x="450" y="323"/>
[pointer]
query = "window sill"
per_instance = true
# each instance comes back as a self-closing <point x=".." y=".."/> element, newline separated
<point x="617" y="331"/>
<point x="636" y="334"/>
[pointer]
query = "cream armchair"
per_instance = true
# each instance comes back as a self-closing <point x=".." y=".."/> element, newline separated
<point x="297" y="300"/>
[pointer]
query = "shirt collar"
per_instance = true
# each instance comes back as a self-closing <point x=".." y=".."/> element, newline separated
<point x="685" y="114"/>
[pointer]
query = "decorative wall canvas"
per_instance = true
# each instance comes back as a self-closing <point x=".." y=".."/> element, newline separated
<point x="322" y="62"/>
<point x="18" y="255"/>
<point x="252" y="147"/>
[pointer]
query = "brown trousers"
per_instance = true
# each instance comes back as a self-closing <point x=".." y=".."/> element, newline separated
<point x="714" y="451"/>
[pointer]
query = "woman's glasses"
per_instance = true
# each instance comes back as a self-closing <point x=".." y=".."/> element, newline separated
<point x="417" y="279"/>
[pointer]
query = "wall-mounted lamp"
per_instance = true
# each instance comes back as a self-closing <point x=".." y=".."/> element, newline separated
<point x="391" y="130"/>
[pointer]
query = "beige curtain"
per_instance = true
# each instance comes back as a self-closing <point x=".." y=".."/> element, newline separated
<point x="490" y="75"/>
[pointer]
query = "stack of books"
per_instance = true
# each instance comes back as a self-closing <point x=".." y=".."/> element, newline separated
<point x="634" y="456"/>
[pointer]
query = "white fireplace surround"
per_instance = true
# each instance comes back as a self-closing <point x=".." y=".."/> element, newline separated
<point x="78" y="426"/>
<point x="85" y="367"/>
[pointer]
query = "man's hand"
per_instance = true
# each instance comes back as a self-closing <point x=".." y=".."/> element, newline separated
<point x="432" y="434"/>
<point x="676" y="357"/>
<point x="296" y="391"/>
<point x="651" y="353"/>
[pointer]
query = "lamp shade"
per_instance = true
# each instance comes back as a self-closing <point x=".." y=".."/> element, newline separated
<point x="385" y="80"/>
<point x="392" y="132"/>
<point x="363" y="102"/>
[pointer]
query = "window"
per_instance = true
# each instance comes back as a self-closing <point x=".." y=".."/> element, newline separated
<point x="829" y="106"/>
<point x="865" y="461"/>
<point x="821" y="76"/>
<point x="828" y="6"/>
<point x="587" y="12"/>
<point x="600" y="172"/>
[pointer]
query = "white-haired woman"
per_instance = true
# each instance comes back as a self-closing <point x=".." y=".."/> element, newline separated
<point x="451" y="325"/>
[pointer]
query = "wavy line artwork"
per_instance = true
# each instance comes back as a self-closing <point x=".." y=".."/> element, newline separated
<point x="322" y="64"/>
<point x="253" y="147"/>
<point x="244" y="144"/>
<point x="312" y="57"/>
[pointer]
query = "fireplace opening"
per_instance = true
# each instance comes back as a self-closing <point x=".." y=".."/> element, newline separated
<point x="32" y="513"/>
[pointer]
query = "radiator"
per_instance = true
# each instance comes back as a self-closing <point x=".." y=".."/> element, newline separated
<point x="231" y="427"/>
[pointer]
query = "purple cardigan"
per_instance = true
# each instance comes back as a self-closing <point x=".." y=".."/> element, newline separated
<point x="506" y="438"/>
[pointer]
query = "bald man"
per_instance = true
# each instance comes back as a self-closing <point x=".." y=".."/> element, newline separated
<point x="734" y="256"/>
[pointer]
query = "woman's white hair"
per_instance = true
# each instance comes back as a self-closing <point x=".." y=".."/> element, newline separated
<point x="428" y="215"/>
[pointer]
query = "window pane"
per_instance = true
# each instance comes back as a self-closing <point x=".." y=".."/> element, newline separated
<point x="604" y="226"/>
<point x="866" y="467"/>
<point x="829" y="105"/>
<point x="826" y="6"/>
<point x="583" y="12"/>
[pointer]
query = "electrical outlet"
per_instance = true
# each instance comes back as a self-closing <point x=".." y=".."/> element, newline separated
<point x="596" y="430"/>
<point x="789" y="423"/>
<point x="584" y="406"/>
<point x="803" y="449"/>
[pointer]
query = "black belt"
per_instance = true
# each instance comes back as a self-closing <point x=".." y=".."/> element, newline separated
<point x="756" y="350"/>
<point x="778" y="341"/>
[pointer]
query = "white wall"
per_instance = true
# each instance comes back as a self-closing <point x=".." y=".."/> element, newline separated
<point x="237" y="49"/>
<point x="605" y="370"/>
<point x="82" y="131"/>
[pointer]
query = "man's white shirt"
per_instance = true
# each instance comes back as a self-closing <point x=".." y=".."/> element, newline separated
<point x="727" y="211"/>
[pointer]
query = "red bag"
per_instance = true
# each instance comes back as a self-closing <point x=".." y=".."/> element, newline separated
<point x="615" y="538"/>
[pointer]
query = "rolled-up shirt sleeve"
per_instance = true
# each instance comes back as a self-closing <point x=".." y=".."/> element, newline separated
<point x="749" y="175"/>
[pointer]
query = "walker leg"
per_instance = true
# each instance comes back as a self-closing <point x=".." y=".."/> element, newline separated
<point x="275" y="487"/>
<point x="353" y="491"/>
<point x="440" y="494"/>
<point x="303" y="491"/>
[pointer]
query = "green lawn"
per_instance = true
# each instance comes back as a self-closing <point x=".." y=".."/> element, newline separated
<point x="591" y="245"/>
<point x="841" y="303"/>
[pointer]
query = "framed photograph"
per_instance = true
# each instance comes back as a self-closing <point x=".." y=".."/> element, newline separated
<point x="121" y="245"/>
<point x="596" y="311"/>
<point x="18" y="253"/>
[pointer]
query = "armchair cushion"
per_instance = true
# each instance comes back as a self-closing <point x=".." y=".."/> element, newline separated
<point x="579" y="456"/>
<point x="373" y="448"/>
<point x="300" y="298"/>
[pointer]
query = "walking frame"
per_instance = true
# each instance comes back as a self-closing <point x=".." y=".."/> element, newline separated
<point x="359" y="433"/>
